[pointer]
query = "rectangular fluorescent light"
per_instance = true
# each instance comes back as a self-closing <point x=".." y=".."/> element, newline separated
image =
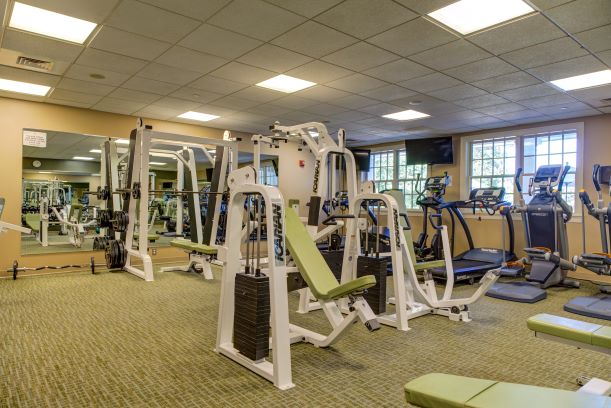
<point x="285" y="83"/>
<point x="202" y="117"/>
<point x="95" y="151"/>
<point x="82" y="158"/>
<point x="157" y="164"/>
<point x="122" y="141"/>
<point x="406" y="115"/>
<point x="23" y="87"/>
<point x="584" y="81"/>
<point x="50" y="24"/>
<point x="468" y="16"/>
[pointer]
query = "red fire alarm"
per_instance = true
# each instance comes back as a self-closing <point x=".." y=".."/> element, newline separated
<point x="301" y="163"/>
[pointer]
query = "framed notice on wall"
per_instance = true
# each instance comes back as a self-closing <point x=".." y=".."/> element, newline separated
<point x="34" y="139"/>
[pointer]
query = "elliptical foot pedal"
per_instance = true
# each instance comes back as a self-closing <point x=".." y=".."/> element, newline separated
<point x="523" y="292"/>
<point x="598" y="307"/>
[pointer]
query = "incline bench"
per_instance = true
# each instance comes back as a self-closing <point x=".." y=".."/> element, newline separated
<point x="444" y="390"/>
<point x="199" y="255"/>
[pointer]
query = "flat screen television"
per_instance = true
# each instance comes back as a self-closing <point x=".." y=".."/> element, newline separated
<point x="429" y="151"/>
<point x="362" y="158"/>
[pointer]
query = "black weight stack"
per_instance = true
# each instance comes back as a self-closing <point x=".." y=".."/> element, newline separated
<point x="335" y="260"/>
<point x="251" y="316"/>
<point x="376" y="295"/>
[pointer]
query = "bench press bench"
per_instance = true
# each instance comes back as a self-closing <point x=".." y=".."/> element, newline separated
<point x="199" y="255"/>
<point x="445" y="390"/>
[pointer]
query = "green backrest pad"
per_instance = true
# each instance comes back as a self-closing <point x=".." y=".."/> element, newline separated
<point x="75" y="212"/>
<point x="33" y="221"/>
<point x="570" y="329"/>
<point x="451" y="391"/>
<point x="193" y="246"/>
<point x="308" y="258"/>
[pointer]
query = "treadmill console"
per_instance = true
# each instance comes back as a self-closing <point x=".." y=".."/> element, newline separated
<point x="548" y="172"/>
<point x="489" y="196"/>
<point x="604" y="175"/>
<point x="435" y="184"/>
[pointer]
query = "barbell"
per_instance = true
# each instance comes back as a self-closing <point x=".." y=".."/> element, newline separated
<point x="103" y="193"/>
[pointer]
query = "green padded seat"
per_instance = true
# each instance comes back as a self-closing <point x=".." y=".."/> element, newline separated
<point x="193" y="246"/>
<point x="570" y="329"/>
<point x="33" y="221"/>
<point x="313" y="266"/>
<point x="452" y="391"/>
<point x="150" y="237"/>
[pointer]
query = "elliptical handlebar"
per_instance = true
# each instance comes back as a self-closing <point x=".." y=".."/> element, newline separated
<point x="595" y="176"/>
<point x="565" y="171"/>
<point x="517" y="179"/>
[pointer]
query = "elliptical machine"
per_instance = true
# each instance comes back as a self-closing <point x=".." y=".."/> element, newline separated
<point x="597" y="262"/>
<point x="430" y="198"/>
<point x="544" y="219"/>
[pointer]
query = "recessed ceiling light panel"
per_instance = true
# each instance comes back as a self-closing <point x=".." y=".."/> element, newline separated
<point x="95" y="151"/>
<point x="202" y="117"/>
<point x="23" y="87"/>
<point x="285" y="83"/>
<point x="406" y="115"/>
<point x="82" y="158"/>
<point x="468" y="16"/>
<point x="50" y="24"/>
<point x="584" y="81"/>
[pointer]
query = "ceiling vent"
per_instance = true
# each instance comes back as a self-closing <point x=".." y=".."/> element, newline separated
<point x="34" y="63"/>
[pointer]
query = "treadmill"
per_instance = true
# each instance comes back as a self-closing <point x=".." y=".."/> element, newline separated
<point x="475" y="262"/>
<point x="598" y="262"/>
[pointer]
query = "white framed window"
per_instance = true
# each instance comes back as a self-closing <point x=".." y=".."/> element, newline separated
<point x="382" y="169"/>
<point x="407" y="179"/>
<point x="490" y="160"/>
<point x="267" y="175"/>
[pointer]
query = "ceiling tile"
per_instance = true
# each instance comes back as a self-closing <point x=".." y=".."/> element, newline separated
<point x="425" y="6"/>
<point x="217" y="41"/>
<point x="450" y="55"/>
<point x="63" y="94"/>
<point x="234" y="71"/>
<point x="84" y="73"/>
<point x="509" y="81"/>
<point x="164" y="73"/>
<point x="135" y="96"/>
<point x="158" y="112"/>
<point x="575" y="66"/>
<point x="321" y="93"/>
<point x="40" y="47"/>
<point x="519" y="34"/>
<point x="457" y="92"/>
<point x="546" y="53"/>
<point x="118" y="106"/>
<point x="360" y="56"/>
<point x="90" y="10"/>
<point x="67" y="103"/>
<point x="144" y="19"/>
<point x="564" y="108"/>
<point x="576" y="114"/>
<point x="582" y="15"/>
<point x="258" y="94"/>
<point x="132" y="45"/>
<point x="518" y="115"/>
<point x="364" y="18"/>
<point x="176" y="103"/>
<point x="274" y="58"/>
<point x="256" y="19"/>
<point x="481" y="101"/>
<point x="389" y="93"/>
<point x="313" y="39"/>
<point x="549" y="100"/>
<point x="295" y="102"/>
<point x="184" y="58"/>
<point x="484" y="121"/>
<point x="196" y="95"/>
<point x="487" y="68"/>
<point x="84" y="86"/>
<point x="462" y="115"/>
<point x="380" y="109"/>
<point x="354" y="101"/>
<point x="422" y="35"/>
<point x="231" y="102"/>
<point x="198" y="9"/>
<point x="319" y="72"/>
<point x="548" y="4"/>
<point x="324" y="109"/>
<point x="427" y="104"/>
<point x="598" y="39"/>
<point x="356" y="83"/>
<point x="217" y="85"/>
<point x="528" y="92"/>
<point x="430" y="82"/>
<point x="110" y="62"/>
<point x="148" y="85"/>
<point x="269" y="109"/>
<point x="214" y="110"/>
<point x="606" y="57"/>
<point x="594" y="96"/>
<point x="397" y="71"/>
<point x="348" y="116"/>
<point x="308" y="8"/>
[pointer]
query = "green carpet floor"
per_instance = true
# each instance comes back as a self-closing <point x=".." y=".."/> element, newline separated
<point x="78" y="340"/>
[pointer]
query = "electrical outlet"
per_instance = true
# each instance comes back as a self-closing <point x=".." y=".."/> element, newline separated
<point x="154" y="251"/>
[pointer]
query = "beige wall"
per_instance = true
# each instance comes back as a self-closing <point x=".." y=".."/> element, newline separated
<point x="18" y="114"/>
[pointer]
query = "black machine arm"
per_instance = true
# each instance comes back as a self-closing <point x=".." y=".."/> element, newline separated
<point x="565" y="171"/>
<point x="436" y="226"/>
<point x="517" y="179"/>
<point x="595" y="177"/>
<point x="332" y="219"/>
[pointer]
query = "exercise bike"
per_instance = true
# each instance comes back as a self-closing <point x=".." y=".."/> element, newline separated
<point x="430" y="198"/>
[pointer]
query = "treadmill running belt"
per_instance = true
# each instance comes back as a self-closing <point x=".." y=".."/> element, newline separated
<point x="465" y="267"/>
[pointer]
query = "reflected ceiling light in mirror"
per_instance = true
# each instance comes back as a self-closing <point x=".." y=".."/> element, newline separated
<point x="95" y="151"/>
<point x="157" y="164"/>
<point x="23" y="87"/>
<point x="199" y="116"/>
<point x="83" y="158"/>
<point x="409" y="114"/>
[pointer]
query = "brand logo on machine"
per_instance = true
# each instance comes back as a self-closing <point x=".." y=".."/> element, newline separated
<point x="491" y="250"/>
<point x="395" y="216"/>
<point x="316" y="173"/>
<point x="278" y="233"/>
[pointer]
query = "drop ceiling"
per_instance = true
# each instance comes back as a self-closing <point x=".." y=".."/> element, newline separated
<point x="160" y="58"/>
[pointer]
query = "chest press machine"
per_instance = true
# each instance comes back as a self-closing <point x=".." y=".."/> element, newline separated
<point x="254" y="296"/>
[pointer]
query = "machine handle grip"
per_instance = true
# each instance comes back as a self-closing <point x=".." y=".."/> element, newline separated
<point x="407" y="223"/>
<point x="331" y="220"/>
<point x="435" y="226"/>
<point x="565" y="171"/>
<point x="517" y="179"/>
<point x="595" y="175"/>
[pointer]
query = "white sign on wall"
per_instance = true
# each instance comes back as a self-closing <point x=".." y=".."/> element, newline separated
<point x="34" y="139"/>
